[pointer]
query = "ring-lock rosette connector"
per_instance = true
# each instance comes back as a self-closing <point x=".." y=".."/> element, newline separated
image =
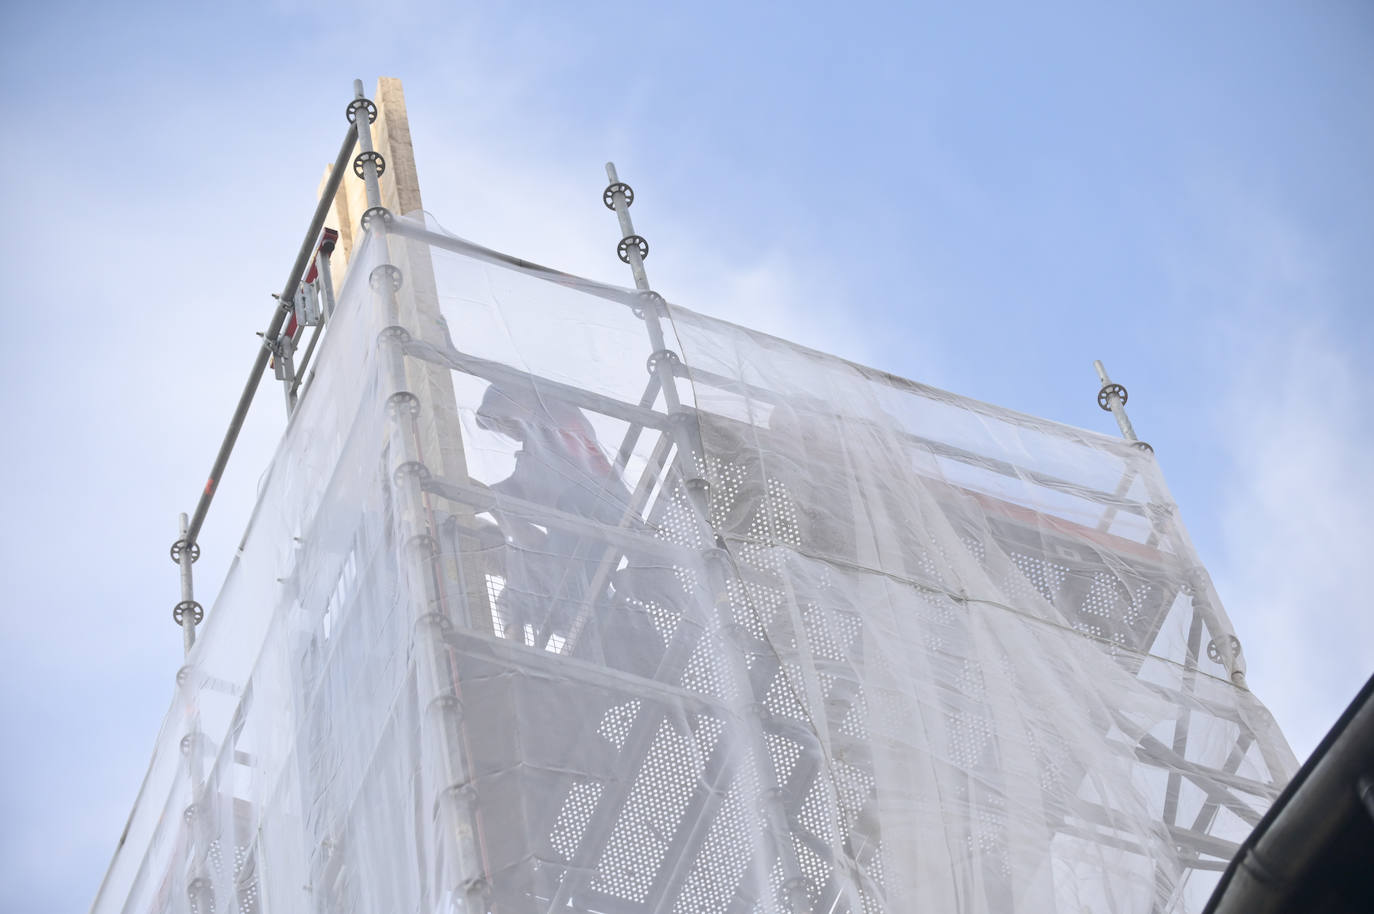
<point x="179" y="546"/>
<point x="375" y="212"/>
<point x="622" y="249"/>
<point x="363" y="158"/>
<point x="1104" y="396"/>
<point x="608" y="196"/>
<point x="351" y="112"/>
<point x="386" y="274"/>
<point x="393" y="335"/>
<point x="411" y="469"/>
<point x="652" y="301"/>
<point x="1215" y="650"/>
<point x="662" y="356"/>
<point x="187" y="606"/>
<point x="403" y="403"/>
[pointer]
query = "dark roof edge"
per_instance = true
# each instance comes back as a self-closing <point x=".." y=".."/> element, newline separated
<point x="1294" y="831"/>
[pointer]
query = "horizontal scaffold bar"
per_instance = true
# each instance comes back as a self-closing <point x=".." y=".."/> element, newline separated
<point x="501" y="373"/>
<point x="279" y="312"/>
<point x="640" y="540"/>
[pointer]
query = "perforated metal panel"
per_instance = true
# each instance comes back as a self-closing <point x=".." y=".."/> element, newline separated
<point x="810" y="638"/>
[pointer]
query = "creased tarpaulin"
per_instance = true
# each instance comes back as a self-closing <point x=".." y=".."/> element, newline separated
<point x="516" y="629"/>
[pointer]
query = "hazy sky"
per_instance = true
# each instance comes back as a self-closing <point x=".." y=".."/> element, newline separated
<point x="985" y="197"/>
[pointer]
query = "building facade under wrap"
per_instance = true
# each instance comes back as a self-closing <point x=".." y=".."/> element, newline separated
<point x="562" y="598"/>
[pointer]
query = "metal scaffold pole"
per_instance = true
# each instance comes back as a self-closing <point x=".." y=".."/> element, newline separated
<point x="436" y="679"/>
<point x="279" y="313"/>
<point x="686" y="434"/>
<point x="1112" y="398"/>
<point x="1224" y="647"/>
<point x="186" y="550"/>
<point x="188" y="612"/>
<point x="525" y="622"/>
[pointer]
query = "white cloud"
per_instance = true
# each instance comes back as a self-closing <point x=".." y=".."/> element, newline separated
<point x="1298" y="509"/>
<point x="544" y="209"/>
<point x="1298" y="527"/>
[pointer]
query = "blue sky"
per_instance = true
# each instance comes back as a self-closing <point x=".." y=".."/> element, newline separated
<point x="985" y="197"/>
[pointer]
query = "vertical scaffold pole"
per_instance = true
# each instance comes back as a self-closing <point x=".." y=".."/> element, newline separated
<point x="1112" y="398"/>
<point x="188" y="613"/>
<point x="632" y="249"/>
<point x="1224" y="648"/>
<point x="436" y="680"/>
<point x="686" y="433"/>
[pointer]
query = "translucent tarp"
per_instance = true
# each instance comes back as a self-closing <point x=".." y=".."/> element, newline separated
<point x="561" y="598"/>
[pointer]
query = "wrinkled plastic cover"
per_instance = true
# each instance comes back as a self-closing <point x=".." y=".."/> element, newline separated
<point x="794" y="635"/>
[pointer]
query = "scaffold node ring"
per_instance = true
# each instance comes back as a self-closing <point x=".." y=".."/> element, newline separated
<point x="662" y="356"/>
<point x="608" y="197"/>
<point x="411" y="469"/>
<point x="403" y="402"/>
<point x="654" y="300"/>
<point x="375" y="212"/>
<point x="1214" y="649"/>
<point x="424" y="542"/>
<point x="622" y="249"/>
<point x="351" y="112"/>
<point x="177" y="548"/>
<point x="370" y="155"/>
<point x="187" y="606"/>
<point x="1104" y="396"/>
<point x="447" y="703"/>
<point x="464" y="793"/>
<point x="442" y="623"/>
<point x="386" y="272"/>
<point x="393" y="334"/>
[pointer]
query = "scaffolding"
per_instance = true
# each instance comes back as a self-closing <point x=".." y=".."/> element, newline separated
<point x="562" y="598"/>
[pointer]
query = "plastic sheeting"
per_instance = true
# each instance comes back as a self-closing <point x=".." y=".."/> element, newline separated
<point x="560" y="598"/>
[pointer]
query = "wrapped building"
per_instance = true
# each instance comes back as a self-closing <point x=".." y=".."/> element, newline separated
<point x="562" y="597"/>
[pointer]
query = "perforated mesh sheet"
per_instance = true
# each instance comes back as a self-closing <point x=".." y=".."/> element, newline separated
<point x="559" y="598"/>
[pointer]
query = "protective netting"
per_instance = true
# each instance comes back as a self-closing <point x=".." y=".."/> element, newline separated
<point x="560" y="598"/>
